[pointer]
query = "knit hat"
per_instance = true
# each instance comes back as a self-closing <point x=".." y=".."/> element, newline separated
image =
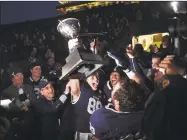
<point x="43" y="84"/>
<point x="118" y="70"/>
<point x="34" y="64"/>
<point x="14" y="71"/>
<point x="121" y="72"/>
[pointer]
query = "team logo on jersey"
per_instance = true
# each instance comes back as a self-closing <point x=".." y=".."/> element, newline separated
<point x="92" y="129"/>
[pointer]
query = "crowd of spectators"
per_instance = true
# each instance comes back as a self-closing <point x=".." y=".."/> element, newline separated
<point x="33" y="40"/>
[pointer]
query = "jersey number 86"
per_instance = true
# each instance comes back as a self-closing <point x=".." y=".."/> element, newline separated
<point x="93" y="105"/>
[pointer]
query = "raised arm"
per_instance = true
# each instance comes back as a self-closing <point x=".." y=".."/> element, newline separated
<point x="74" y="85"/>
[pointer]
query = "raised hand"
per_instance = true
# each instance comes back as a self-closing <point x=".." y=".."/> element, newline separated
<point x="74" y="86"/>
<point x="169" y="67"/>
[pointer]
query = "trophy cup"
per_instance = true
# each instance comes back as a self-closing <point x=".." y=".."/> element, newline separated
<point x="80" y="62"/>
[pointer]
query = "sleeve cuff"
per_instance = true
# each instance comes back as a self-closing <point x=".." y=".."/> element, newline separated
<point x="126" y="70"/>
<point x="130" y="74"/>
<point x="76" y="100"/>
<point x="63" y="98"/>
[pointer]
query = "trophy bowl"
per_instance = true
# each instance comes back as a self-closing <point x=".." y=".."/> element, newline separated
<point x="69" y="28"/>
<point x="80" y="62"/>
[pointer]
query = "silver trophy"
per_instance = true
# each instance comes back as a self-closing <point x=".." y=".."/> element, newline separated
<point x="80" y="61"/>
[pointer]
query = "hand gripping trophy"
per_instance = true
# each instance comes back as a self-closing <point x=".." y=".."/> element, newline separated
<point x="80" y="63"/>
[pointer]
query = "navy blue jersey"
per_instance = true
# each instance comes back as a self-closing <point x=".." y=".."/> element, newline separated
<point x="106" y="123"/>
<point x="86" y="105"/>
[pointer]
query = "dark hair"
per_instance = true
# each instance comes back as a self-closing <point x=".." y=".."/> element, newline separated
<point x="151" y="47"/>
<point x="37" y="63"/>
<point x="130" y="96"/>
<point x="138" y="49"/>
<point x="165" y="38"/>
<point x="158" y="55"/>
<point x="119" y="71"/>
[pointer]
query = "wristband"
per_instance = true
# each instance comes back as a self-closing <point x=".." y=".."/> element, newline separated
<point x="63" y="98"/>
<point x="129" y="73"/>
<point x="66" y="93"/>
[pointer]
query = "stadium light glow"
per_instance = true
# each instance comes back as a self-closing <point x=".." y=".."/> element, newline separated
<point x="174" y="5"/>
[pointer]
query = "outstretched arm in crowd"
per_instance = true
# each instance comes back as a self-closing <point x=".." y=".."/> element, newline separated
<point x="132" y="75"/>
<point x="137" y="77"/>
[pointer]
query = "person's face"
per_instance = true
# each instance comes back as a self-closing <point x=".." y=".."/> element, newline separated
<point x="165" y="43"/>
<point x="18" y="79"/>
<point x="40" y="41"/>
<point x="36" y="71"/>
<point x="34" y="49"/>
<point x="48" y="91"/>
<point x="93" y="81"/>
<point x="129" y="49"/>
<point x="155" y="62"/>
<point x="51" y="62"/>
<point x="155" y="49"/>
<point x="114" y="78"/>
<point x="33" y="54"/>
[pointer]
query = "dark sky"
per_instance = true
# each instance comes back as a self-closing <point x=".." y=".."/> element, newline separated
<point x="13" y="12"/>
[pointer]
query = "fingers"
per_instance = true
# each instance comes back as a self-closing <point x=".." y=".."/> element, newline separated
<point x="164" y="65"/>
<point x="163" y="70"/>
<point x="68" y="87"/>
<point x="25" y="108"/>
<point x="167" y="65"/>
<point x="170" y="56"/>
<point x="169" y="60"/>
<point x="74" y="83"/>
<point x="68" y="84"/>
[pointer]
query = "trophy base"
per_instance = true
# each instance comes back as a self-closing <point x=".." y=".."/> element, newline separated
<point x="80" y="64"/>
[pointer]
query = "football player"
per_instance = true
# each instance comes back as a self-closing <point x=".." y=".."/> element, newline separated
<point x="86" y="98"/>
<point x="124" y="119"/>
<point x="115" y="77"/>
